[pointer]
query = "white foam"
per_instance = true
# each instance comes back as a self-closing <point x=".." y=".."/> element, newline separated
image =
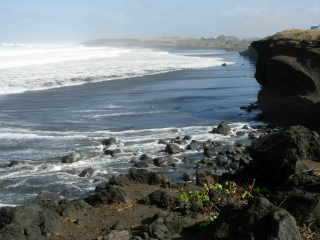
<point x="27" y="67"/>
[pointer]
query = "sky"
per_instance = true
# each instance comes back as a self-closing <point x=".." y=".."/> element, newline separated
<point x="80" y="20"/>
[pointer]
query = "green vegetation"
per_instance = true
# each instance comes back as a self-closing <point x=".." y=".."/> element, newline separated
<point x="210" y="197"/>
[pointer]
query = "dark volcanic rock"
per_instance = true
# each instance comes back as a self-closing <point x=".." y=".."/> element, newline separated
<point x="195" y="145"/>
<point x="279" y="155"/>
<point x="223" y="128"/>
<point x="259" y="221"/>
<point x="112" y="152"/>
<point x="144" y="176"/>
<point x="141" y="176"/>
<point x="141" y="164"/>
<point x="87" y="172"/>
<point x="108" y="142"/>
<point x="249" y="53"/>
<point x="107" y="194"/>
<point x="173" y="148"/>
<point x="211" y="149"/>
<point x="71" y="158"/>
<point x="28" y="223"/>
<point x="288" y="68"/>
<point x="161" y="199"/>
<point x="304" y="206"/>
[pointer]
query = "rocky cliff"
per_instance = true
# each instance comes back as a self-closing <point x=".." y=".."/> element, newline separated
<point x="288" y="69"/>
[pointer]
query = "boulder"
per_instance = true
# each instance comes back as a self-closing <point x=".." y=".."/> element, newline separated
<point x="259" y="220"/>
<point x="109" y="141"/>
<point x="279" y="155"/>
<point x="71" y="158"/>
<point x="145" y="158"/>
<point x="288" y="69"/>
<point x="28" y="222"/>
<point x="87" y="172"/>
<point x="112" y="152"/>
<point x="211" y="149"/>
<point x="145" y="177"/>
<point x="161" y="199"/>
<point x="195" y="146"/>
<point x="107" y="194"/>
<point x="141" y="164"/>
<point x="173" y="148"/>
<point x="223" y="128"/>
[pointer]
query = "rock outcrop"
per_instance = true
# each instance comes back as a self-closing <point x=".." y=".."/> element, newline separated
<point x="279" y="155"/>
<point x="288" y="68"/>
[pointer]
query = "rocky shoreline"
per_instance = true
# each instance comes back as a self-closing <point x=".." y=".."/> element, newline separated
<point x="264" y="188"/>
<point x="268" y="189"/>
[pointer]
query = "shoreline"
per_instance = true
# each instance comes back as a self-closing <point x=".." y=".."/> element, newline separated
<point x="145" y="203"/>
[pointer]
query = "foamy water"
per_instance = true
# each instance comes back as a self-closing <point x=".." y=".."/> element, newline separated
<point x="28" y="67"/>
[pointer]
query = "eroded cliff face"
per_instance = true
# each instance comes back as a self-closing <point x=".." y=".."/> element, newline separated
<point x="288" y="69"/>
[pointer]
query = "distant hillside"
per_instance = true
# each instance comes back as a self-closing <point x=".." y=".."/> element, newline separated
<point x="220" y="42"/>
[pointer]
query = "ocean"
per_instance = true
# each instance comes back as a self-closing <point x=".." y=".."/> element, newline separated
<point x="59" y="99"/>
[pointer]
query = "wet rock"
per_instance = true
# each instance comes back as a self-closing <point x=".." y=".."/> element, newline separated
<point x="160" y="161"/>
<point x="164" y="161"/>
<point x="211" y="149"/>
<point x="87" y="172"/>
<point x="180" y="140"/>
<point x="164" y="142"/>
<point x="260" y="220"/>
<point x="277" y="154"/>
<point x="187" y="138"/>
<point x="173" y="149"/>
<point x="223" y="129"/>
<point x="195" y="146"/>
<point x="12" y="164"/>
<point x="145" y="158"/>
<point x="107" y="194"/>
<point x="251" y="107"/>
<point x="141" y="164"/>
<point x="112" y="152"/>
<point x="108" y="142"/>
<point x="71" y="158"/>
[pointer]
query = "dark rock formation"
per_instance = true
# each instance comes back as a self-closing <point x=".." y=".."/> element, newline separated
<point x="279" y="155"/>
<point x="71" y="158"/>
<point x="249" y="53"/>
<point x="173" y="148"/>
<point x="107" y="194"/>
<point x="223" y="128"/>
<point x="288" y="68"/>
<point x="161" y="199"/>
<point x="112" y="152"/>
<point x="262" y="221"/>
<point x="195" y="145"/>
<point x="87" y="172"/>
<point x="109" y="141"/>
